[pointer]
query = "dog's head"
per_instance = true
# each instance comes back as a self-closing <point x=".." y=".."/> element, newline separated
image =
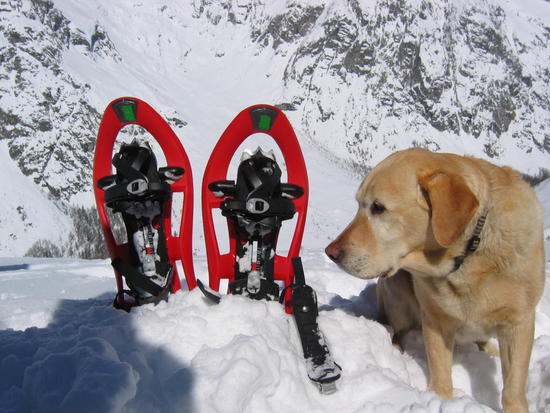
<point x="414" y="200"/>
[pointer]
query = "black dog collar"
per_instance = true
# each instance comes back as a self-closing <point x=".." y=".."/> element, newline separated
<point x="472" y="244"/>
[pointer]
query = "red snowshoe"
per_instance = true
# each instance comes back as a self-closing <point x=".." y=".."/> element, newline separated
<point x="142" y="193"/>
<point x="255" y="205"/>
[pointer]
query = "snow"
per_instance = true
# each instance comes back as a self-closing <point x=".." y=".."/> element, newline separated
<point x="26" y="211"/>
<point x="64" y="348"/>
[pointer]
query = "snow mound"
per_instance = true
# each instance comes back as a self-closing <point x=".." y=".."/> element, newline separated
<point x="239" y="356"/>
<point x="192" y="355"/>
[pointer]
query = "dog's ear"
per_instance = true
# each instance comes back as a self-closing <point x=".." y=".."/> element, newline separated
<point x="452" y="205"/>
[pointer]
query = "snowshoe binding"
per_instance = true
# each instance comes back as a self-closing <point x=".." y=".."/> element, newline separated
<point x="139" y="192"/>
<point x="256" y="204"/>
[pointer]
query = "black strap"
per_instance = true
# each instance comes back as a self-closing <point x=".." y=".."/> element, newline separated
<point x="253" y="178"/>
<point x="282" y="208"/>
<point x="140" y="159"/>
<point x="472" y="244"/>
<point x="305" y="310"/>
<point x="299" y="276"/>
<point x="126" y="169"/>
<point x="121" y="303"/>
<point x="134" y="277"/>
<point x="119" y="192"/>
<point x="132" y="172"/>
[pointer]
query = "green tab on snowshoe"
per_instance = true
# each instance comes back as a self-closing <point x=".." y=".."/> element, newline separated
<point x="126" y="110"/>
<point x="263" y="117"/>
<point x="128" y="113"/>
<point x="265" y="122"/>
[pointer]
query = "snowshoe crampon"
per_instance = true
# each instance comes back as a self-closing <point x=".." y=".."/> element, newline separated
<point x="142" y="193"/>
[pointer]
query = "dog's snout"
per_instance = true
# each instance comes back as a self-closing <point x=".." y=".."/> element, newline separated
<point x="334" y="252"/>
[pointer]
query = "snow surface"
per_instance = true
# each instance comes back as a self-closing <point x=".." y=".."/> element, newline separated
<point x="64" y="348"/>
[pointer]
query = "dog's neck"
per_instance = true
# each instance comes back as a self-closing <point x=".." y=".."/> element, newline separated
<point x="428" y="263"/>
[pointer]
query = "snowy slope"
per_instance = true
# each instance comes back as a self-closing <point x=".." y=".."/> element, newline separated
<point x="337" y="65"/>
<point x="63" y="348"/>
<point x="26" y="212"/>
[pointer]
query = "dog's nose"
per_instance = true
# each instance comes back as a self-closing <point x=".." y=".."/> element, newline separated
<point x="334" y="252"/>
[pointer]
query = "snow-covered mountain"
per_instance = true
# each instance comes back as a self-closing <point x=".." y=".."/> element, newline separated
<point x="465" y="77"/>
<point x="358" y="80"/>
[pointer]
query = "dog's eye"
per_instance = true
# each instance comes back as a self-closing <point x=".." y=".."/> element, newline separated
<point x="377" y="208"/>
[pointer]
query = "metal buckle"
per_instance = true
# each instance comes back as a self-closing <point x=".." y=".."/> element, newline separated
<point x="257" y="205"/>
<point x="137" y="186"/>
<point x="253" y="282"/>
<point x="473" y="243"/>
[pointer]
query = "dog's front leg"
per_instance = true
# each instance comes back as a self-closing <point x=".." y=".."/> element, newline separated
<point x="515" y="344"/>
<point x="439" y="342"/>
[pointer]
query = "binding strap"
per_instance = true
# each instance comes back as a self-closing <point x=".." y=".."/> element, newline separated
<point x="130" y="171"/>
<point x="321" y="367"/>
<point x="135" y="183"/>
<point x="136" y="278"/>
<point x="282" y="208"/>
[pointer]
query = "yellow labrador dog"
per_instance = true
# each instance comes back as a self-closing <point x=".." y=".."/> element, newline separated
<point x="458" y="245"/>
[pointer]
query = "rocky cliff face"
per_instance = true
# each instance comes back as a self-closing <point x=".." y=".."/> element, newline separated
<point x="44" y="115"/>
<point x="385" y="75"/>
<point x="378" y="76"/>
<point x="363" y="78"/>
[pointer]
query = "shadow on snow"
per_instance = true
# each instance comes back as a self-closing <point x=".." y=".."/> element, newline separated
<point x="14" y="267"/>
<point x="89" y="359"/>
